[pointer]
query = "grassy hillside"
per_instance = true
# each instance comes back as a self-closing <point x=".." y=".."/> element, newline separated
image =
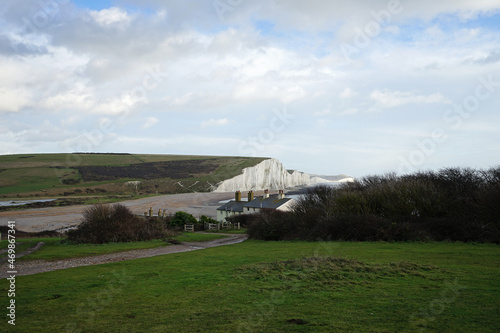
<point x="31" y="175"/>
<point x="260" y="286"/>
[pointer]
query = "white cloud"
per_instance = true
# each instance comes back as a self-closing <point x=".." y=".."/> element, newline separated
<point x="347" y="93"/>
<point x="393" y="29"/>
<point x="214" y="122"/>
<point x="88" y="64"/>
<point x="111" y="16"/>
<point x="183" y="99"/>
<point x="150" y="121"/>
<point x="71" y="120"/>
<point x="328" y="111"/>
<point x="390" y="99"/>
<point x="349" y="111"/>
<point x="321" y="113"/>
<point x="12" y="100"/>
<point x="113" y="106"/>
<point x="259" y="91"/>
<point x="71" y="100"/>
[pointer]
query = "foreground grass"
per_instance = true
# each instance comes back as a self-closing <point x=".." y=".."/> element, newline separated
<point x="197" y="237"/>
<point x="56" y="248"/>
<point x="21" y="244"/>
<point x="268" y="287"/>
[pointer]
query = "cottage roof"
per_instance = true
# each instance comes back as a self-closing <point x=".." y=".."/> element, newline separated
<point x="233" y="206"/>
<point x="272" y="202"/>
<point x="260" y="202"/>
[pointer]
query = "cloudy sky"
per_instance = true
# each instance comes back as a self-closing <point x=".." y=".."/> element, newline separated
<point x="327" y="87"/>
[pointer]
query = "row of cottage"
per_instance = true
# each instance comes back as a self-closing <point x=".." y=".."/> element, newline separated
<point x="254" y="204"/>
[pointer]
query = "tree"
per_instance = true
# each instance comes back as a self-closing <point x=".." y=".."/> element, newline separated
<point x="182" y="218"/>
<point x="206" y="219"/>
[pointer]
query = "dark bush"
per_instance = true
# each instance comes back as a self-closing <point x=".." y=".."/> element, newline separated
<point x="206" y="219"/>
<point x="453" y="204"/>
<point x="70" y="181"/>
<point x="244" y="220"/>
<point x="104" y="224"/>
<point x="182" y="218"/>
<point x="273" y="225"/>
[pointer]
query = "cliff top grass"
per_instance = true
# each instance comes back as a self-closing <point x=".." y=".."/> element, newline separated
<point x="80" y="174"/>
<point x="258" y="286"/>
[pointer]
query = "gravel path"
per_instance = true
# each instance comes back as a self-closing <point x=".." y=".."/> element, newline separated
<point x="34" y="248"/>
<point x="39" y="266"/>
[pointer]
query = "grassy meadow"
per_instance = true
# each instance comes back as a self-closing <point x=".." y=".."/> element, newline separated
<point x="56" y="248"/>
<point x="258" y="286"/>
<point x="41" y="175"/>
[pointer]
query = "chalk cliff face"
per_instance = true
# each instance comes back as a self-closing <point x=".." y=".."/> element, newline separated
<point x="269" y="174"/>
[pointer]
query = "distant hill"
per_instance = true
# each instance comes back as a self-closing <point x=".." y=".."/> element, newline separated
<point x="81" y="174"/>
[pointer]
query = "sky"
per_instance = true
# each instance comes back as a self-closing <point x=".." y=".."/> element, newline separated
<point x="326" y="87"/>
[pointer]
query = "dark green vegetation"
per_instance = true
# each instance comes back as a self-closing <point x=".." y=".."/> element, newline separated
<point x="151" y="170"/>
<point x="114" y="174"/>
<point x="181" y="218"/>
<point x="452" y="204"/>
<point x="115" y="223"/>
<point x="103" y="223"/>
<point x="259" y="286"/>
<point x="206" y="219"/>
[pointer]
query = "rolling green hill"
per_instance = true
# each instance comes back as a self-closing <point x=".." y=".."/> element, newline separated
<point x="33" y="175"/>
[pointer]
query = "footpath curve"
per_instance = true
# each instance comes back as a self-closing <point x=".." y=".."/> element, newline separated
<point x="40" y="266"/>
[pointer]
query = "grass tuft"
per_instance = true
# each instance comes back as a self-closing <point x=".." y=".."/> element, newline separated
<point x="322" y="271"/>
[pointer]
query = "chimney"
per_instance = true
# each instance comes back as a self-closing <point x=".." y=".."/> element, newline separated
<point x="266" y="194"/>
<point x="250" y="196"/>
<point x="281" y="195"/>
<point x="237" y="196"/>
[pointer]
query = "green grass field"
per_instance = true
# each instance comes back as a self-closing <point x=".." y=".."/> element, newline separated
<point x="260" y="286"/>
<point x="55" y="248"/>
<point x="30" y="175"/>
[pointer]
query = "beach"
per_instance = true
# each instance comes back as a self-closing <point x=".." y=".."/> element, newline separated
<point x="56" y="218"/>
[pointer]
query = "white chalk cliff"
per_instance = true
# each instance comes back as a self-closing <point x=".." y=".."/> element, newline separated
<point x="269" y="174"/>
<point x="319" y="180"/>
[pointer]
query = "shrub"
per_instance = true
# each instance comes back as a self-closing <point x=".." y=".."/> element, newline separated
<point x="244" y="220"/>
<point x="273" y="225"/>
<point x="104" y="224"/>
<point x="453" y="204"/>
<point x="181" y="218"/>
<point x="70" y="181"/>
<point x="206" y="219"/>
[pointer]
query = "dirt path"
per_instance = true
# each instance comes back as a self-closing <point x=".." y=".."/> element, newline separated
<point x="39" y="266"/>
<point x="34" y="248"/>
<point x="54" y="218"/>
